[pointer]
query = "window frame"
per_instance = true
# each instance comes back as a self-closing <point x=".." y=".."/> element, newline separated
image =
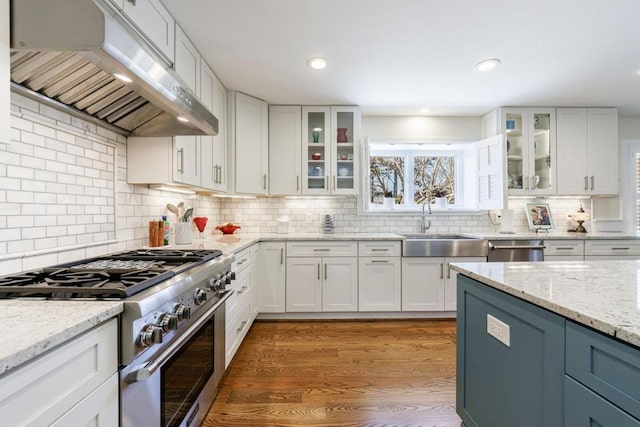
<point x="460" y="149"/>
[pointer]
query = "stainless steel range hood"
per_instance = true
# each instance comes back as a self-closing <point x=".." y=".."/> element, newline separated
<point x="69" y="51"/>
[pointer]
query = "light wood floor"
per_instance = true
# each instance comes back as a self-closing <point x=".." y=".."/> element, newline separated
<point x="341" y="373"/>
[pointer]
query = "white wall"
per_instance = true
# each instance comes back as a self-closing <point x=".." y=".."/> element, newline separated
<point x="628" y="127"/>
<point x="428" y="127"/>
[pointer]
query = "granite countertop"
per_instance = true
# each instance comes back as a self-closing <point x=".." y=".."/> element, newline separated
<point x="561" y="235"/>
<point x="32" y="327"/>
<point x="601" y="294"/>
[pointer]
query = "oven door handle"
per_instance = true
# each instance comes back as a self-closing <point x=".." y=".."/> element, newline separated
<point x="145" y="370"/>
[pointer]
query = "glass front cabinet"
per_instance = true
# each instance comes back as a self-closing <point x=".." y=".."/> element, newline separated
<point x="331" y="139"/>
<point x="531" y="149"/>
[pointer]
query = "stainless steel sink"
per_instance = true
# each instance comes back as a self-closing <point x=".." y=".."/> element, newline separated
<point x="440" y="245"/>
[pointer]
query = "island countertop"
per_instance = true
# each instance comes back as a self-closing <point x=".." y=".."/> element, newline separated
<point x="604" y="295"/>
<point x="32" y="327"/>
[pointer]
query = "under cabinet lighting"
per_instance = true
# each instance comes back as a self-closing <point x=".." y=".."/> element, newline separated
<point x="172" y="189"/>
<point x="122" y="77"/>
<point x="183" y="119"/>
<point x="231" y="196"/>
<point x="424" y="110"/>
<point x="487" y="64"/>
<point x="317" y="63"/>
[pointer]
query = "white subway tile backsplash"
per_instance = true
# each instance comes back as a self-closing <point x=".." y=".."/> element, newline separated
<point x="19" y="172"/>
<point x="19" y="196"/>
<point x="24" y="245"/>
<point x="44" y="221"/>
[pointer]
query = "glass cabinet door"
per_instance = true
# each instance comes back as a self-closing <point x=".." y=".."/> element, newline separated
<point x="345" y="123"/>
<point x="543" y="142"/>
<point x="515" y="126"/>
<point x="316" y="152"/>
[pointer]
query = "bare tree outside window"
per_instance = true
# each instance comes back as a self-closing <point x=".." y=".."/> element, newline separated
<point x="433" y="177"/>
<point x="387" y="179"/>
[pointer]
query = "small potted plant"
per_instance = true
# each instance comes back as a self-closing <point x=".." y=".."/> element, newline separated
<point x="440" y="195"/>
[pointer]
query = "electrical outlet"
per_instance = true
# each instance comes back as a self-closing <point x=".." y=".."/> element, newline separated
<point x="499" y="330"/>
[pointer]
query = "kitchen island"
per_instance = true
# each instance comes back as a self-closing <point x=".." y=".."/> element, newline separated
<point x="548" y="344"/>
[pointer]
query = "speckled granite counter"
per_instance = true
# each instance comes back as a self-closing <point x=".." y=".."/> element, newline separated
<point x="561" y="235"/>
<point x="236" y="242"/>
<point x="31" y="328"/>
<point x="601" y="294"/>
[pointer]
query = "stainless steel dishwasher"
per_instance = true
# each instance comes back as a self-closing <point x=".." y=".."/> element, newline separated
<point x="516" y="250"/>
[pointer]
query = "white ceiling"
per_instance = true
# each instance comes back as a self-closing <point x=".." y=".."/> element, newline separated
<point x="398" y="56"/>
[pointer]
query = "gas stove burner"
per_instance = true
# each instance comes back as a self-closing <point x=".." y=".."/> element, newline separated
<point x="70" y="283"/>
<point x="121" y="264"/>
<point x="169" y="254"/>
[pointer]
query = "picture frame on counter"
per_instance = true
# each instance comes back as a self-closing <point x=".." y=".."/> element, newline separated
<point x="539" y="216"/>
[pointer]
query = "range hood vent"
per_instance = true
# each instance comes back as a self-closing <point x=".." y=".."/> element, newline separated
<point x="74" y="64"/>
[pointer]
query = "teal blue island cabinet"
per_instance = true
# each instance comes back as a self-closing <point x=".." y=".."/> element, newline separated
<point x="519" y="364"/>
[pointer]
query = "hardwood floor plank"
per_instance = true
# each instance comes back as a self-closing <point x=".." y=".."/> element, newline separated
<point x="341" y="373"/>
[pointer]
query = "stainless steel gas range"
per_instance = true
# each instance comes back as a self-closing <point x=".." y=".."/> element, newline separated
<point x="171" y="329"/>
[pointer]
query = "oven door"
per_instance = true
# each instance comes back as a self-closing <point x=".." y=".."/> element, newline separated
<point x="177" y="388"/>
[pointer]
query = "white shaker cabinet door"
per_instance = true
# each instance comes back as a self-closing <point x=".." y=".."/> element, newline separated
<point x="423" y="284"/>
<point x="271" y="277"/>
<point x="572" y="150"/>
<point x="380" y="284"/>
<point x="251" y="145"/>
<point x="304" y="284"/>
<point x="285" y="148"/>
<point x="340" y="284"/>
<point x="155" y="22"/>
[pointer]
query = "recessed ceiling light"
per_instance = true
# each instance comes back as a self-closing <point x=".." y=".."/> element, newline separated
<point x="122" y="77"/>
<point x="317" y="63"/>
<point x="424" y="110"/>
<point x="487" y="64"/>
<point x="183" y="119"/>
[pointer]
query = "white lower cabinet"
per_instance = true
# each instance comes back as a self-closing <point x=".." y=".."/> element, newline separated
<point x="316" y="284"/>
<point x="272" y="275"/>
<point x="612" y="249"/>
<point x="74" y="384"/>
<point x="428" y="284"/>
<point x="380" y="283"/>
<point x="240" y="308"/>
<point x="563" y="250"/>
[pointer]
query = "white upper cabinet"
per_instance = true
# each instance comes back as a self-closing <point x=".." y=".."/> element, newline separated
<point x="214" y="148"/>
<point x="163" y="160"/>
<point x="330" y="149"/>
<point x="587" y="151"/>
<point x="285" y="149"/>
<point x="187" y="61"/>
<point x="155" y="22"/>
<point x="531" y="150"/>
<point x="250" y="129"/>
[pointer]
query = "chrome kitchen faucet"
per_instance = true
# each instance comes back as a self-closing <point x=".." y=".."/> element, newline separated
<point x="424" y="224"/>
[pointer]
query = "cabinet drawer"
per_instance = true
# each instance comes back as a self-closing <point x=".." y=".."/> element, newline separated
<point x="612" y="247"/>
<point x="322" y="248"/>
<point x="582" y="407"/>
<point x="243" y="260"/>
<point x="240" y="298"/>
<point x="235" y="331"/>
<point x="564" y="247"/>
<point x="608" y="367"/>
<point x="386" y="248"/>
<point x="41" y="391"/>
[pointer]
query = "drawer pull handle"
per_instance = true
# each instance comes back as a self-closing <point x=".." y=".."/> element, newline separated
<point x="564" y="249"/>
<point x="318" y="271"/>
<point x="281" y="256"/>
<point x="448" y="271"/>
<point x="242" y="325"/>
<point x="321" y="249"/>
<point x="442" y="270"/>
<point x="325" y="272"/>
<point x="241" y="291"/>
<point x="379" y="260"/>
<point x="620" y="249"/>
<point x="242" y="261"/>
<point x="379" y="249"/>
